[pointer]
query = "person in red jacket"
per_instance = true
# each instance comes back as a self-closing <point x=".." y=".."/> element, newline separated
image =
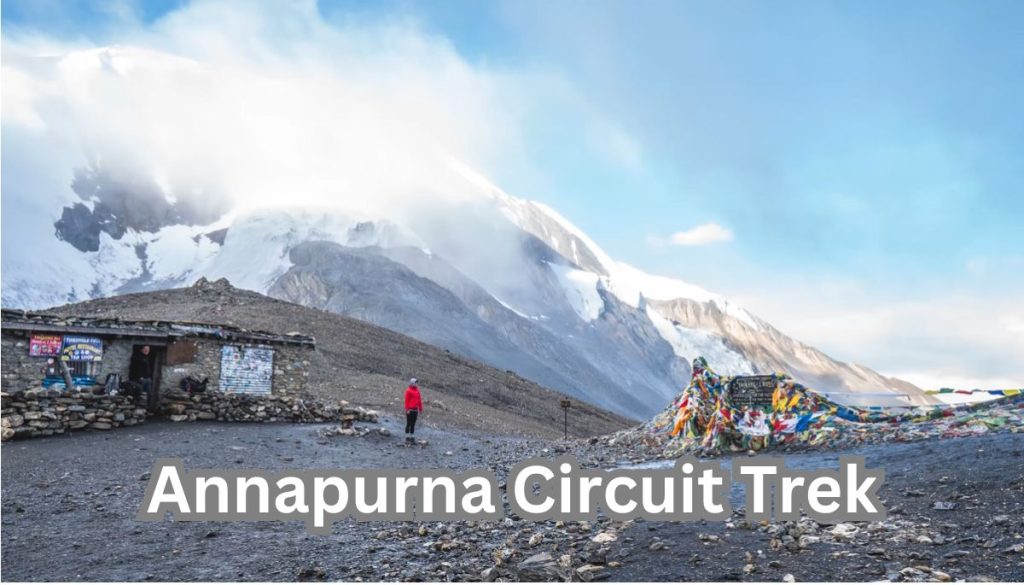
<point x="413" y="407"/>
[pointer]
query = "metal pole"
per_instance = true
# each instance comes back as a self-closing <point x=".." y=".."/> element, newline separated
<point x="565" y="421"/>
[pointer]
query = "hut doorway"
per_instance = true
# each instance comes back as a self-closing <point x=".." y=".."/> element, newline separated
<point x="144" y="370"/>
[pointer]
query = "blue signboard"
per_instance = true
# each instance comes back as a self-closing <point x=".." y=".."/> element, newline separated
<point x="82" y="349"/>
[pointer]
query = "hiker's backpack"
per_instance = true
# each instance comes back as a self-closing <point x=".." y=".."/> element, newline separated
<point x="193" y="385"/>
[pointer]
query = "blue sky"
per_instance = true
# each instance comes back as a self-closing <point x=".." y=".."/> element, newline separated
<point x="862" y="161"/>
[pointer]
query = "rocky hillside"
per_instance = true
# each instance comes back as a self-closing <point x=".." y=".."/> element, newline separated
<point x="421" y="295"/>
<point x="369" y="365"/>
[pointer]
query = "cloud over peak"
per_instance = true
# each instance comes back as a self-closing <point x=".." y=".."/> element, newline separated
<point x="263" y="103"/>
<point x="701" y="235"/>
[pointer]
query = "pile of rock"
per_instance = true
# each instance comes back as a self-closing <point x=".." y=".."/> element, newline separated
<point x="348" y="429"/>
<point x="41" y="412"/>
<point x="352" y="414"/>
<point x="180" y="406"/>
<point x="509" y="550"/>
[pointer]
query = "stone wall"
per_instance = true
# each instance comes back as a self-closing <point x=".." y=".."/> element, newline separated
<point x="205" y="365"/>
<point x="22" y="372"/>
<point x="117" y="358"/>
<point x="40" y="413"/>
<point x="291" y="370"/>
<point x="213" y="405"/>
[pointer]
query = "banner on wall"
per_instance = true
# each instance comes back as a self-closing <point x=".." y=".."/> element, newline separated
<point x="82" y="349"/>
<point x="45" y="345"/>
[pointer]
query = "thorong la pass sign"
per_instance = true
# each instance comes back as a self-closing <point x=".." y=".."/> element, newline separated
<point x="752" y="390"/>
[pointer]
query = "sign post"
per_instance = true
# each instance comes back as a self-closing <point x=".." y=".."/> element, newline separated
<point x="565" y="421"/>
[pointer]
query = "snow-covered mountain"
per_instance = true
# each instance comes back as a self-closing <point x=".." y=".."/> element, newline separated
<point x="534" y="295"/>
<point x="497" y="278"/>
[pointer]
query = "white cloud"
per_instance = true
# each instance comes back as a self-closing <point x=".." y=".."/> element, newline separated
<point x="267" y="103"/>
<point x="933" y="380"/>
<point x="949" y="338"/>
<point x="702" y="235"/>
<point x="239" y="106"/>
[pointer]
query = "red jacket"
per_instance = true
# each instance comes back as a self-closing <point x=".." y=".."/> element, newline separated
<point x="412" y="399"/>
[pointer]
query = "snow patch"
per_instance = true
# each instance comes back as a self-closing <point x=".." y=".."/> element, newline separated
<point x="176" y="251"/>
<point x="513" y="309"/>
<point x="581" y="291"/>
<point x="691" y="343"/>
<point x="629" y="283"/>
<point x="256" y="250"/>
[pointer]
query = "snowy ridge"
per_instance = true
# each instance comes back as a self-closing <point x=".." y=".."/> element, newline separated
<point x="630" y="284"/>
<point x="627" y="283"/>
<point x="256" y="249"/>
<point x="68" y="275"/>
<point x="604" y="259"/>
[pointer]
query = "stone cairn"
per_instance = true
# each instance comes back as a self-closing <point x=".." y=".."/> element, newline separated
<point x="40" y="412"/>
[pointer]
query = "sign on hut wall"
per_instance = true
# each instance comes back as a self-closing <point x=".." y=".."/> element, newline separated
<point x="246" y="370"/>
<point x="751" y="391"/>
<point x="82" y="349"/>
<point x="45" y="345"/>
<point x="182" y="351"/>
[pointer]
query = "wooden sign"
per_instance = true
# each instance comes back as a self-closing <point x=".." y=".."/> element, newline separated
<point x="751" y="390"/>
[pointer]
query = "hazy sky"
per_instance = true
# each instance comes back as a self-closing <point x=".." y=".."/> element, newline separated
<point x="849" y="171"/>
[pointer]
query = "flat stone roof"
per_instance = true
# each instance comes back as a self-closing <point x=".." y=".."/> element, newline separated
<point x="17" y="320"/>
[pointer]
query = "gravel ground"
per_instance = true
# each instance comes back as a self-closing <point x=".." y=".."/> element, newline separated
<point x="68" y="505"/>
<point x="981" y="539"/>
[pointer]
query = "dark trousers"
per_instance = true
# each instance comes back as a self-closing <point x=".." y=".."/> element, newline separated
<point x="146" y="385"/>
<point x="410" y="421"/>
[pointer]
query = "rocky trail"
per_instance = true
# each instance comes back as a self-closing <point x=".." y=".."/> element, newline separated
<point x="69" y="505"/>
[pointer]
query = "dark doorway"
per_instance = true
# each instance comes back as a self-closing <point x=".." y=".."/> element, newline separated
<point x="144" y="370"/>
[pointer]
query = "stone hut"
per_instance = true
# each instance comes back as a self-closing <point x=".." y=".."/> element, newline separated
<point x="40" y="350"/>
